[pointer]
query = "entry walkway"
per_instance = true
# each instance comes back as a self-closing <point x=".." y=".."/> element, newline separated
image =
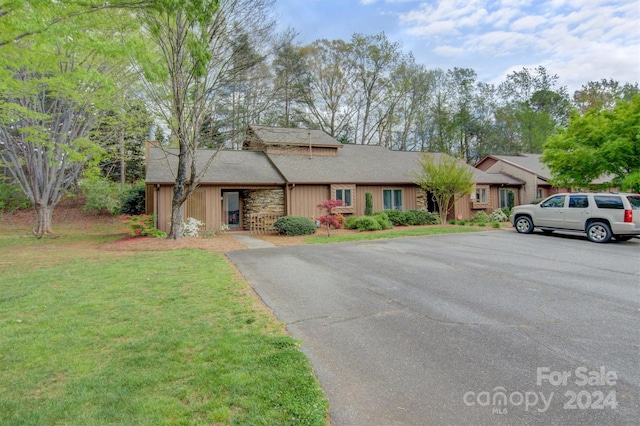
<point x="252" y="242"/>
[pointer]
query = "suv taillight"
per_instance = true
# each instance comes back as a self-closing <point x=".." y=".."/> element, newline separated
<point x="628" y="216"/>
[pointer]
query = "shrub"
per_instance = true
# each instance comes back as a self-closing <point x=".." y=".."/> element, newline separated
<point x="452" y="221"/>
<point x="421" y="217"/>
<point x="351" y="222"/>
<point x="499" y="216"/>
<point x="340" y="220"/>
<point x="368" y="223"/>
<point x="480" y="218"/>
<point x="506" y="211"/>
<point x="495" y="225"/>
<point x="295" y="225"/>
<point x="142" y="226"/>
<point x="12" y="198"/>
<point x="368" y="204"/>
<point x="132" y="200"/>
<point x="383" y="220"/>
<point x="191" y="227"/>
<point x="101" y="196"/>
<point x="396" y="217"/>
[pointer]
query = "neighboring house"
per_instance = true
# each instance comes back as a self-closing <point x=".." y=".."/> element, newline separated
<point x="528" y="168"/>
<point x="283" y="171"/>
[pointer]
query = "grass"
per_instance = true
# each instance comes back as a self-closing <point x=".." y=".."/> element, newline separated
<point x="395" y="233"/>
<point x="149" y="338"/>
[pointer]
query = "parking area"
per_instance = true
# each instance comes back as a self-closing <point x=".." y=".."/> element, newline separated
<point x="483" y="328"/>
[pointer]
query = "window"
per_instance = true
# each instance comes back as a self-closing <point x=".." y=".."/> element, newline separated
<point x="481" y="195"/>
<point x="392" y="199"/>
<point x="507" y="198"/>
<point x="578" y="202"/>
<point x="609" y="202"/>
<point x="540" y="194"/>
<point x="345" y="196"/>
<point x="557" y="201"/>
<point x="634" y="200"/>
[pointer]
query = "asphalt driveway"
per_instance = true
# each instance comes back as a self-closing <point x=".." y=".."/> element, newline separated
<point x="486" y="328"/>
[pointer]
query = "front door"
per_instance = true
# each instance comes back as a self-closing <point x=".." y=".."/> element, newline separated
<point x="231" y="209"/>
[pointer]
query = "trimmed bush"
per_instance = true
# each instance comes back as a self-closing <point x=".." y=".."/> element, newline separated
<point x="383" y="220"/>
<point x="295" y="225"/>
<point x="351" y="222"/>
<point x="132" y="200"/>
<point x="368" y="223"/>
<point x="421" y="217"/>
<point x="396" y="217"/>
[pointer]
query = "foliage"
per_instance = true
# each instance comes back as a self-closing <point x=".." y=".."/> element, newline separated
<point x="499" y="216"/>
<point x="368" y="204"/>
<point x="480" y="218"/>
<point x="446" y="178"/>
<point x="101" y="196"/>
<point x="54" y="86"/>
<point x="295" y="225"/>
<point x="191" y="227"/>
<point x="12" y="198"/>
<point x="598" y="145"/>
<point x="133" y="199"/>
<point x="330" y="220"/>
<point x="198" y="48"/>
<point x="142" y="225"/>
<point x="160" y="337"/>
<point x="421" y="217"/>
<point x="351" y="222"/>
<point x="495" y="224"/>
<point x="368" y="223"/>
<point x="383" y="220"/>
<point x="397" y="217"/>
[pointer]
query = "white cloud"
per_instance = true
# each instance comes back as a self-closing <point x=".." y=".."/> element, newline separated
<point x="528" y="23"/>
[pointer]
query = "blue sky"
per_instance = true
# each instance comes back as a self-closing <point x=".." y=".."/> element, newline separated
<point x="579" y="40"/>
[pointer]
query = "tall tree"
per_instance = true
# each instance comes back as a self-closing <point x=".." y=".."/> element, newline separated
<point x="603" y="94"/>
<point x="596" y="145"/>
<point x="290" y="71"/>
<point x="53" y="90"/>
<point x="329" y="95"/>
<point x="202" y="48"/>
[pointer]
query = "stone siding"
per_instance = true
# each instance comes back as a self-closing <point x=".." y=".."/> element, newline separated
<point x="261" y="201"/>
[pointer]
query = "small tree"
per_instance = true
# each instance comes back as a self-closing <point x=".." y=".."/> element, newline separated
<point x="447" y="178"/>
<point x="368" y="204"/>
<point x="330" y="218"/>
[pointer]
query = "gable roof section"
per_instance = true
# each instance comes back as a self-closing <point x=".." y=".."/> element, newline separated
<point x="359" y="164"/>
<point x="287" y="136"/>
<point x="529" y="162"/>
<point x="482" y="177"/>
<point x="227" y="167"/>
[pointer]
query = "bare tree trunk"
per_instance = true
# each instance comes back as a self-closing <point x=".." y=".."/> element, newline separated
<point x="44" y="212"/>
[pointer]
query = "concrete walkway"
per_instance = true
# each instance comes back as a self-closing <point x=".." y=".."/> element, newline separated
<point x="252" y="242"/>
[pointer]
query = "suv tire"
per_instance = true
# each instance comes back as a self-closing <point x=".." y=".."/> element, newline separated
<point x="524" y="225"/>
<point x="599" y="232"/>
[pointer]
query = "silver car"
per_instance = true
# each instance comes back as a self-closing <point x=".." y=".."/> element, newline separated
<point x="601" y="216"/>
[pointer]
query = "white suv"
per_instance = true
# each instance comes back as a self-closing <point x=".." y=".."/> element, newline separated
<point x="601" y="215"/>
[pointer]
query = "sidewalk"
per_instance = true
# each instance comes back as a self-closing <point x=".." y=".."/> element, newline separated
<point x="252" y="242"/>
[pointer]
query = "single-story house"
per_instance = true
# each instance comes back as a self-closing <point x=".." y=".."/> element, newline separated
<point x="526" y="167"/>
<point x="282" y="171"/>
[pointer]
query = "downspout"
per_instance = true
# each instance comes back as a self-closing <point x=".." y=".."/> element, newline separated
<point x="157" y="205"/>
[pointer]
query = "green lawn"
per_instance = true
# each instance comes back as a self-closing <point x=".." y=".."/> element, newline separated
<point x="395" y="233"/>
<point x="149" y="338"/>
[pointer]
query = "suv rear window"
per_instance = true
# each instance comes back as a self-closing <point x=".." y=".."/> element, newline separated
<point x="609" y="202"/>
<point x="634" y="200"/>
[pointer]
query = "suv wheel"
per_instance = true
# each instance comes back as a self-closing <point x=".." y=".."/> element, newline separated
<point x="524" y="225"/>
<point x="598" y="232"/>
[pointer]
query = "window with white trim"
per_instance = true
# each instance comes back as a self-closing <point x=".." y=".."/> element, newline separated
<point x="481" y="195"/>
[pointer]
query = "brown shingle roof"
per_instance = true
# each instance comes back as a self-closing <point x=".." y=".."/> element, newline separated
<point x="227" y="167"/>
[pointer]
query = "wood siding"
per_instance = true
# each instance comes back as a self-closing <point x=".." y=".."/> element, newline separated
<point x="302" y="200"/>
<point x="409" y="193"/>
